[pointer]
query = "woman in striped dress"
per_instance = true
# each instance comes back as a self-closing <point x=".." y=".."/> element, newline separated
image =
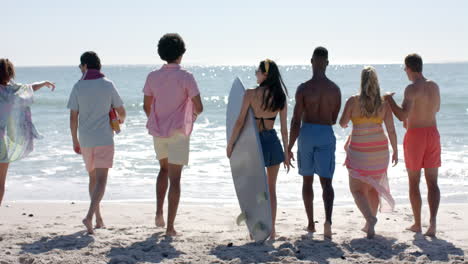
<point x="367" y="152"/>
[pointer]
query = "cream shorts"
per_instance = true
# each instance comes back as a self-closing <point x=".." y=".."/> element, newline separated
<point x="175" y="148"/>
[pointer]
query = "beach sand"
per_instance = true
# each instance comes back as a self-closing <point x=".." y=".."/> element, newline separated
<point x="32" y="232"/>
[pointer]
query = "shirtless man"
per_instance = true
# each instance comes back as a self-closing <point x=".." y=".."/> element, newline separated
<point x="318" y="102"/>
<point x="421" y="145"/>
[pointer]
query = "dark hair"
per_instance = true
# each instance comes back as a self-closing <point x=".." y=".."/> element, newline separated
<point x="7" y="71"/>
<point x="170" y="47"/>
<point x="91" y="59"/>
<point x="414" y="62"/>
<point x="320" y="52"/>
<point x="274" y="95"/>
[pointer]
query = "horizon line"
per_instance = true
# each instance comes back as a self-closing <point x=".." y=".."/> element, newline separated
<point x="235" y="65"/>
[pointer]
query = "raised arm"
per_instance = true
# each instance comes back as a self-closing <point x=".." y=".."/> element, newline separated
<point x="296" y="119"/>
<point x="401" y="112"/>
<point x="346" y="115"/>
<point x="284" y="134"/>
<point x="239" y="123"/>
<point x="38" y="85"/>
<point x="389" y="124"/>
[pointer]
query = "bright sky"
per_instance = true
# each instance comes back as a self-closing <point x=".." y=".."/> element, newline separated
<point x="216" y="32"/>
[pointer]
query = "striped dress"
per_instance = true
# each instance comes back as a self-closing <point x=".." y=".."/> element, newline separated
<point x="367" y="157"/>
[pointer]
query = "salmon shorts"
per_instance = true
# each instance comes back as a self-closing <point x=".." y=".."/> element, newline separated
<point x="101" y="157"/>
<point x="422" y="148"/>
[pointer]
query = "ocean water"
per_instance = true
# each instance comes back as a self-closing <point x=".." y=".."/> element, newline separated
<point x="54" y="172"/>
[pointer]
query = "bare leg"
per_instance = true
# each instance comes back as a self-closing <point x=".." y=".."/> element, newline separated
<point x="272" y="173"/>
<point x="328" y="195"/>
<point x="308" y="198"/>
<point x="98" y="193"/>
<point x="3" y="174"/>
<point x="92" y="186"/>
<point x="359" y="191"/>
<point x="433" y="197"/>
<point x="373" y="198"/>
<point x="161" y="190"/>
<point x="415" y="198"/>
<point x="175" y="172"/>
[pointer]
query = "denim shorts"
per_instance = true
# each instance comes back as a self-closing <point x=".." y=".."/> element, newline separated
<point x="272" y="150"/>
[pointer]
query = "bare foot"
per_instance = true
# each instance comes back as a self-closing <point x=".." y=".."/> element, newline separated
<point x="431" y="231"/>
<point x="310" y="228"/>
<point x="273" y="235"/>
<point x="327" y="232"/>
<point x="171" y="233"/>
<point x="100" y="223"/>
<point x="365" y="228"/>
<point x="414" y="228"/>
<point x="159" y="220"/>
<point x="371" y="227"/>
<point x="89" y="226"/>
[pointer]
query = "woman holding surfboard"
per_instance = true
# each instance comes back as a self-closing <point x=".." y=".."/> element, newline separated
<point x="267" y="101"/>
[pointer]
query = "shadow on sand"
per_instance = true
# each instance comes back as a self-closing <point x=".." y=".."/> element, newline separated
<point x="74" y="241"/>
<point x="154" y="249"/>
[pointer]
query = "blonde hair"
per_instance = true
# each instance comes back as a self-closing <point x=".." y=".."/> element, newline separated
<point x="369" y="97"/>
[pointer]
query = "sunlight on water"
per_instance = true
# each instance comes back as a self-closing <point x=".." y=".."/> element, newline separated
<point x="54" y="172"/>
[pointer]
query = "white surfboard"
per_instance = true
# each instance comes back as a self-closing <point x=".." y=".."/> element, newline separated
<point x="248" y="169"/>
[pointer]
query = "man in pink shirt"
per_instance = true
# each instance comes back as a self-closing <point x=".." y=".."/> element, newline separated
<point x="172" y="103"/>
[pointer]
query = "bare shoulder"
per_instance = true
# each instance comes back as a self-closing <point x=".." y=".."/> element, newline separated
<point x="352" y="100"/>
<point x="410" y="90"/>
<point x="301" y="88"/>
<point x="333" y="85"/>
<point x="432" y="84"/>
<point x="249" y="93"/>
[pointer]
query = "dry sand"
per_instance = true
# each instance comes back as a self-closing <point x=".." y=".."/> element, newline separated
<point x="54" y="234"/>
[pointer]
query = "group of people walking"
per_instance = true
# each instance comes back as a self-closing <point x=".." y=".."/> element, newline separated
<point x="318" y="103"/>
<point x="172" y="104"/>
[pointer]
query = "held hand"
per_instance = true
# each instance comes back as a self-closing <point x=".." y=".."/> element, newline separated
<point x="290" y="157"/>
<point x="395" y="158"/>
<point x="229" y="149"/>
<point x="388" y="95"/>
<point x="76" y="147"/>
<point x="287" y="163"/>
<point x="49" y="85"/>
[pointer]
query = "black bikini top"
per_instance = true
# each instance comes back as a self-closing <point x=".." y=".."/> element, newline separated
<point x="262" y="120"/>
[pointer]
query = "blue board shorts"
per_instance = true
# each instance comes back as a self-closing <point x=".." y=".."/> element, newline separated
<point x="273" y="153"/>
<point x="316" y="150"/>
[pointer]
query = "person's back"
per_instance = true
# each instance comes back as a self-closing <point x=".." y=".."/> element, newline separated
<point x="322" y="100"/>
<point x="421" y="144"/>
<point x="93" y="99"/>
<point x="172" y="89"/>
<point x="425" y="104"/>
<point x="367" y="153"/>
<point x="265" y="117"/>
<point x="318" y="103"/>
<point x="172" y="103"/>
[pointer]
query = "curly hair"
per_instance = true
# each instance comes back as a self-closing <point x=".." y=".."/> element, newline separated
<point x="170" y="47"/>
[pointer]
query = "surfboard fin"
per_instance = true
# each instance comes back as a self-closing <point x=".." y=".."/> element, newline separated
<point x="241" y="218"/>
<point x="259" y="226"/>
<point x="262" y="197"/>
